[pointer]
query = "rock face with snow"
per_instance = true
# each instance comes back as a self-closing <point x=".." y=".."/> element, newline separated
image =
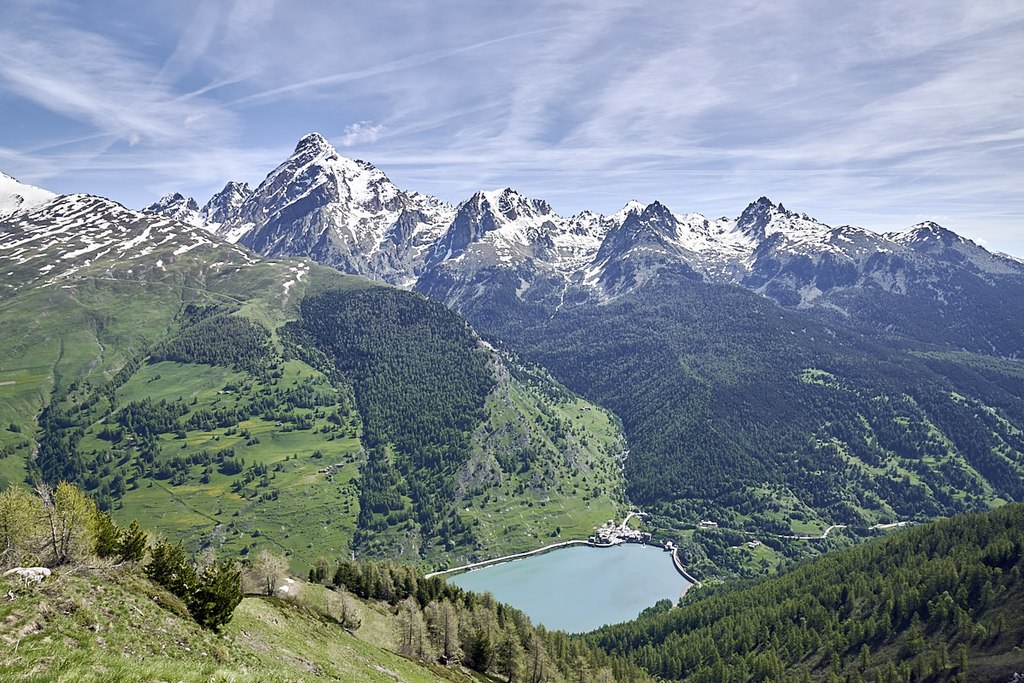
<point x="500" y="246"/>
<point x="16" y="196"/>
<point x="224" y="206"/>
<point x="340" y="212"/>
<point x="179" y="207"/>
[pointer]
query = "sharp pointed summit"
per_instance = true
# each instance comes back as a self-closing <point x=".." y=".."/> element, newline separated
<point x="340" y="211"/>
<point x="225" y="204"/>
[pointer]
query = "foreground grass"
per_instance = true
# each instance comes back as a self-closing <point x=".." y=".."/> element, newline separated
<point x="111" y="625"/>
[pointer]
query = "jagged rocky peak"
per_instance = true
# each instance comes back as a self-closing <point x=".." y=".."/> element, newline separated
<point x="225" y="204"/>
<point x="655" y="220"/>
<point x="764" y="218"/>
<point x="179" y="207"/>
<point x="312" y="144"/>
<point x="174" y="201"/>
<point x="756" y="217"/>
<point x="511" y="205"/>
<point x="631" y="207"/>
<point x="654" y="226"/>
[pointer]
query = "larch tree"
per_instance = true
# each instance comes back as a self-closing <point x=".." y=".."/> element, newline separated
<point x="20" y="512"/>
<point x="510" y="657"/>
<point x="411" y="631"/>
<point x="268" y="568"/>
<point x="342" y="606"/>
<point x="443" y="626"/>
<point x="71" y="518"/>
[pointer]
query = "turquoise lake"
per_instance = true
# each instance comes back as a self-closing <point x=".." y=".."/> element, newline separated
<point x="580" y="588"/>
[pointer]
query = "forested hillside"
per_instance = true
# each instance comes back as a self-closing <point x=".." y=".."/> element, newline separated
<point x="935" y="603"/>
<point x="421" y="379"/>
<point x="231" y="401"/>
<point x="766" y="419"/>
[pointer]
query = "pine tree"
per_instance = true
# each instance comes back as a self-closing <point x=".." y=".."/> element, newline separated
<point x="133" y="543"/>
<point x="509" y="660"/>
<point x="218" y="591"/>
<point x="108" y="535"/>
<point x="169" y="567"/>
<point x="318" y="572"/>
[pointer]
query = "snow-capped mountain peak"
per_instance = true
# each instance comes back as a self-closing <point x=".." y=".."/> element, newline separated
<point x="926" y="231"/>
<point x="763" y="218"/>
<point x="341" y="211"/>
<point x="179" y="207"/>
<point x="631" y="207"/>
<point x="226" y="203"/>
<point x="16" y="196"/>
<point x="348" y="214"/>
<point x="510" y="205"/>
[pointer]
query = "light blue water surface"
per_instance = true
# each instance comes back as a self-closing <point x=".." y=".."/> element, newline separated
<point x="580" y="588"/>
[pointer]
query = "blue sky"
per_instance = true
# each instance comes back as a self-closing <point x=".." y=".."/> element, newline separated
<point x="878" y="114"/>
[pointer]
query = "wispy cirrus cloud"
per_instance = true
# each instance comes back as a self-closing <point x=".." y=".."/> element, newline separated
<point x="875" y="110"/>
<point x="86" y="77"/>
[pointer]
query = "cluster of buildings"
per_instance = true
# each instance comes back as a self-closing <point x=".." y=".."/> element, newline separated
<point x="610" y="533"/>
<point x="330" y="470"/>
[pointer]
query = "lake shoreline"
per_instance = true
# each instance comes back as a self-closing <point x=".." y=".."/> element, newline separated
<point x="578" y="590"/>
<point x="509" y="558"/>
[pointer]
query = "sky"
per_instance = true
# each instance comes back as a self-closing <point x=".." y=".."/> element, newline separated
<point x="877" y="114"/>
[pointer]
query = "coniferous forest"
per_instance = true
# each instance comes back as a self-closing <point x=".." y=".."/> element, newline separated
<point x="735" y="407"/>
<point x="938" y="602"/>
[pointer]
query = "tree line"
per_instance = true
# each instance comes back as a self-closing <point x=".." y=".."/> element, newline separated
<point x="440" y="623"/>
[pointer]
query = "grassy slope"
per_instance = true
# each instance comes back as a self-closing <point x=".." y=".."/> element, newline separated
<point x="84" y="330"/>
<point x="578" y="486"/>
<point x="114" y="626"/>
<point x="56" y="335"/>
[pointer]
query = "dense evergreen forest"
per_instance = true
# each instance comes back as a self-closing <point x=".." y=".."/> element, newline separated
<point x="443" y="623"/>
<point x="939" y="602"/>
<point x="762" y="418"/>
<point x="421" y="379"/>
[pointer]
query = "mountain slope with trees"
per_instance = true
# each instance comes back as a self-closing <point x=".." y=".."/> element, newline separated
<point x="935" y="603"/>
<point x="110" y="604"/>
<point x="178" y="379"/>
<point x="773" y="421"/>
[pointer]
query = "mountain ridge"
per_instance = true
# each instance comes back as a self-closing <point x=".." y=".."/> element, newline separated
<point x="347" y="214"/>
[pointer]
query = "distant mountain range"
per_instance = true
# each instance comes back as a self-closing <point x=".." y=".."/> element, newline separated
<point x="349" y="215"/>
